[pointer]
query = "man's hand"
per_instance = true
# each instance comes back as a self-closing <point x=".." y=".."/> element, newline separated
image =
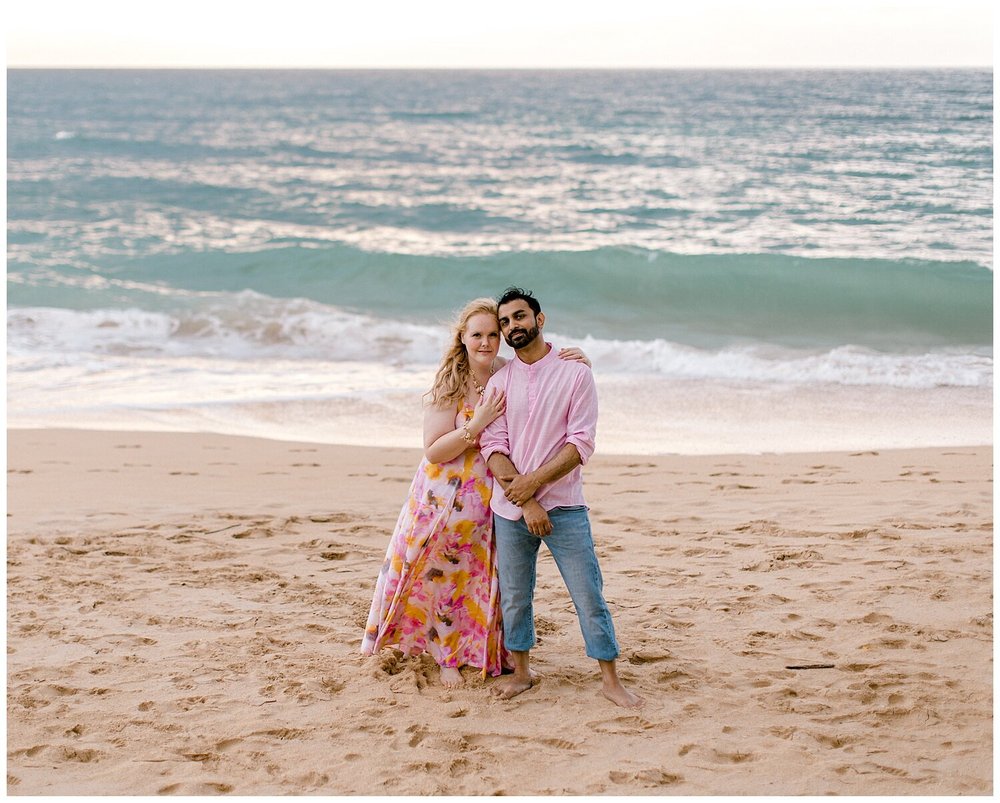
<point x="520" y="488"/>
<point x="536" y="519"/>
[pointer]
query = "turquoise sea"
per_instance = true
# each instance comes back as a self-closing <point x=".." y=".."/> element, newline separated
<point x="754" y="260"/>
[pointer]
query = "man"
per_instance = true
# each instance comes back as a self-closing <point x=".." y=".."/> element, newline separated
<point x="535" y="451"/>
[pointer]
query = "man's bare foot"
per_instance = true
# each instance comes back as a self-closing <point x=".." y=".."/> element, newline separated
<point x="451" y="678"/>
<point x="619" y="695"/>
<point x="512" y="686"/>
<point x="612" y="688"/>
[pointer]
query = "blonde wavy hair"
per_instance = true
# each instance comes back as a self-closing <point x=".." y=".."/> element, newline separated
<point x="452" y="376"/>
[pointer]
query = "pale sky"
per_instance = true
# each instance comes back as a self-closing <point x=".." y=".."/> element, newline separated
<point x="501" y="34"/>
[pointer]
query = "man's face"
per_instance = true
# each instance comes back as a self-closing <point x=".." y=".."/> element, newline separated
<point x="518" y="323"/>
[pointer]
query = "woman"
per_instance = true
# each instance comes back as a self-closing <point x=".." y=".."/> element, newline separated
<point x="437" y="591"/>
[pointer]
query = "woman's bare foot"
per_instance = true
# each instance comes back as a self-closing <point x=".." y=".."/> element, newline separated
<point x="451" y="678"/>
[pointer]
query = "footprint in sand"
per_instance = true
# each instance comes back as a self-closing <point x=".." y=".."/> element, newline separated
<point x="311" y="780"/>
<point x="650" y="778"/>
<point x="376" y="729"/>
<point x="254" y="532"/>
<point x="196" y="789"/>
<point x="334" y="555"/>
<point x="887" y="643"/>
<point x="332" y="686"/>
<point x="561" y="744"/>
<point x="544" y="626"/>
<point x="30" y="752"/>
<point x="735" y="757"/>
<point x="649" y="656"/>
<point x="336" y="518"/>
<point x="871" y="768"/>
<point x="463" y="767"/>
<point x="419" y="732"/>
<point x="677" y="679"/>
<point x="621" y="725"/>
<point x="284" y="734"/>
<point x="81" y="756"/>
<point x="835" y="741"/>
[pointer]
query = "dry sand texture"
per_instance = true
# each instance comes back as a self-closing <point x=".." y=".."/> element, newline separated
<point x="184" y="613"/>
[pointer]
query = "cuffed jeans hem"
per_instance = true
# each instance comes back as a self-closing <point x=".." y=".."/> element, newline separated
<point x="602" y="657"/>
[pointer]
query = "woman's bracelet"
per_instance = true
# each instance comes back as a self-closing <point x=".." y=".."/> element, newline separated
<point x="467" y="435"/>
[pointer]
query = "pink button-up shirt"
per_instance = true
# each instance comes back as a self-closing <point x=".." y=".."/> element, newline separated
<point x="549" y="404"/>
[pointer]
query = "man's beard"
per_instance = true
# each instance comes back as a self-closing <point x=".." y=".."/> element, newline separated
<point x="519" y="338"/>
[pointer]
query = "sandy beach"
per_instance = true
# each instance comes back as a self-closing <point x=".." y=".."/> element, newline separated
<point x="185" y="610"/>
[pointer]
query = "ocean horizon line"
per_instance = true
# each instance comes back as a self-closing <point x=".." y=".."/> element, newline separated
<point x="520" y="69"/>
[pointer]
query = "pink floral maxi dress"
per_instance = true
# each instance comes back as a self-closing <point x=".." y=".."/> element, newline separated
<point x="437" y="591"/>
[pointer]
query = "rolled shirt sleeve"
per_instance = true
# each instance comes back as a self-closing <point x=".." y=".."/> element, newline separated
<point x="493" y="438"/>
<point x="581" y="423"/>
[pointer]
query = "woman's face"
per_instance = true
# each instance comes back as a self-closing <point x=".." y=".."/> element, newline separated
<point x="481" y="339"/>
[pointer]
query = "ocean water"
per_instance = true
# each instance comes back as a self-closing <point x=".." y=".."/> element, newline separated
<point x="754" y="260"/>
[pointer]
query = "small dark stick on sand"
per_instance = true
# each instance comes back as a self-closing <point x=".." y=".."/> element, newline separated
<point x="811" y="666"/>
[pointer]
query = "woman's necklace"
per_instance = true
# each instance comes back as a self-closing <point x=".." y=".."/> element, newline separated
<point x="480" y="389"/>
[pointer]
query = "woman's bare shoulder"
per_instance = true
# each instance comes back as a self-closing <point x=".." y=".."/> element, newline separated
<point x="439" y="406"/>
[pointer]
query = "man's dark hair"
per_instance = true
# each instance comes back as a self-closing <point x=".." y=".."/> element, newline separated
<point x="515" y="293"/>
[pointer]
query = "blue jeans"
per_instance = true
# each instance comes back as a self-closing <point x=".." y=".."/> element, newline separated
<point x="572" y="546"/>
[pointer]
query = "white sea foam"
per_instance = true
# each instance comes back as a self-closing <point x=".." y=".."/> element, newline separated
<point x="247" y="327"/>
<point x="845" y="365"/>
<point x="298" y="370"/>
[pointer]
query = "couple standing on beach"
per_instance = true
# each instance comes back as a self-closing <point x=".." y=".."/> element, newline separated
<point x="504" y="443"/>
